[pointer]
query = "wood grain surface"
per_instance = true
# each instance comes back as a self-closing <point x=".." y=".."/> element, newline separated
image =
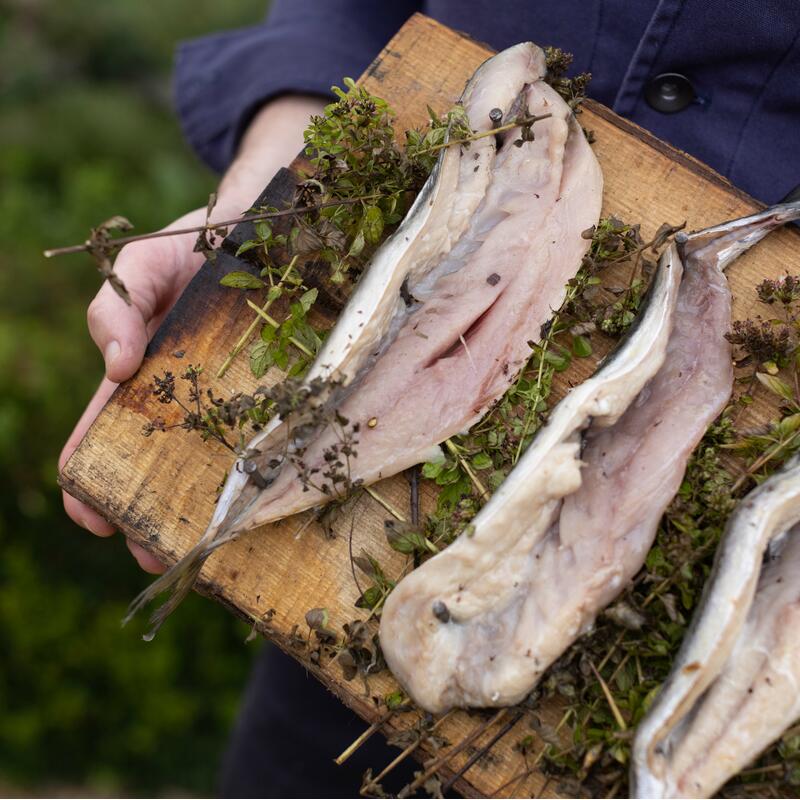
<point x="160" y="490"/>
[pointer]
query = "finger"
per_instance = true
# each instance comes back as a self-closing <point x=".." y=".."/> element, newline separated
<point x="120" y="330"/>
<point x="147" y="561"/>
<point x="77" y="511"/>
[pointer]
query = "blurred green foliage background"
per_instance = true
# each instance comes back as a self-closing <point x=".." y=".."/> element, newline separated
<point x="87" y="131"/>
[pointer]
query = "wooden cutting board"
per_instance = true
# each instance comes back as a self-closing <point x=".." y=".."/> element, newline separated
<point x="160" y="490"/>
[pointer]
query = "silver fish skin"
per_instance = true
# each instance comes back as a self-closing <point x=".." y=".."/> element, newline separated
<point x="376" y="310"/>
<point x="480" y="657"/>
<point x="529" y="611"/>
<point x="735" y="684"/>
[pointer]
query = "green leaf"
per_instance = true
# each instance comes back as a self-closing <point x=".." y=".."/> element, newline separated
<point x="298" y="369"/>
<point x="394" y="700"/>
<point x="358" y="244"/>
<point x="559" y="361"/>
<point x="482" y="461"/>
<point x="248" y="245"/>
<point x="241" y="280"/>
<point x="581" y="346"/>
<point x="776" y="385"/>
<point x="263" y="230"/>
<point x="281" y="358"/>
<point x="407" y="542"/>
<point x="274" y="293"/>
<point x="268" y="334"/>
<point x="788" y="425"/>
<point x="307" y="299"/>
<point x="373" y="224"/>
<point x="450" y="495"/>
<point x="370" y="598"/>
<point x="449" y="475"/>
<point x="261" y="358"/>
<point x="432" y="469"/>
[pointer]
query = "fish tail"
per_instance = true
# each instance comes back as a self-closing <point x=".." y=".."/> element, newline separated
<point x="178" y="580"/>
<point x="730" y="239"/>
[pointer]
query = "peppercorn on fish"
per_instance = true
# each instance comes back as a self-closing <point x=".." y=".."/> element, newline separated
<point x="478" y="624"/>
<point x="439" y="323"/>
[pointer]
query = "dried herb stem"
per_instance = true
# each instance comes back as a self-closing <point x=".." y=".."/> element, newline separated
<point x="520" y="121"/>
<point x="612" y="650"/>
<point x="385" y="503"/>
<point x="213" y="226"/>
<point x="275" y="324"/>
<point x="763" y="459"/>
<point x="376" y="726"/>
<point x="245" y="338"/>
<point x="529" y="770"/>
<point x="762" y="770"/>
<point x="620" y="720"/>
<point x="435" y="765"/>
<point x="482" y="751"/>
<point x="476" y="481"/>
<point x="401" y="757"/>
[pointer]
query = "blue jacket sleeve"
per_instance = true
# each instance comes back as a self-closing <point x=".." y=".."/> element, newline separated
<point x="304" y="46"/>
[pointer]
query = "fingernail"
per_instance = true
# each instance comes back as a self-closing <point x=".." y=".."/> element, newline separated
<point x="111" y="352"/>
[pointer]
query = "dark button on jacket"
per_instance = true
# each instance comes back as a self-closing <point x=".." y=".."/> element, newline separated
<point x="669" y="92"/>
<point x="740" y="60"/>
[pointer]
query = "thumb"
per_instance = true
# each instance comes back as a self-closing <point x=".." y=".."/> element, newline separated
<point x="154" y="272"/>
<point x="120" y="332"/>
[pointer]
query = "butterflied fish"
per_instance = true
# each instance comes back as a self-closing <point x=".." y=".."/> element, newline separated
<point x="569" y="527"/>
<point x="441" y="320"/>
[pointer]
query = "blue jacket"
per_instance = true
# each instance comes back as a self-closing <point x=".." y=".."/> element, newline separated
<point x="740" y="57"/>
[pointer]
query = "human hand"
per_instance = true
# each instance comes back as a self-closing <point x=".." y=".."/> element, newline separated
<point x="156" y="271"/>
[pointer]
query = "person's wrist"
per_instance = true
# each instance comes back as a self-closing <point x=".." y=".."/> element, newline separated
<point x="272" y="140"/>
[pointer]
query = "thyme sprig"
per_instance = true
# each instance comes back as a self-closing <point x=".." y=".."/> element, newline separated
<point x="100" y="239"/>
